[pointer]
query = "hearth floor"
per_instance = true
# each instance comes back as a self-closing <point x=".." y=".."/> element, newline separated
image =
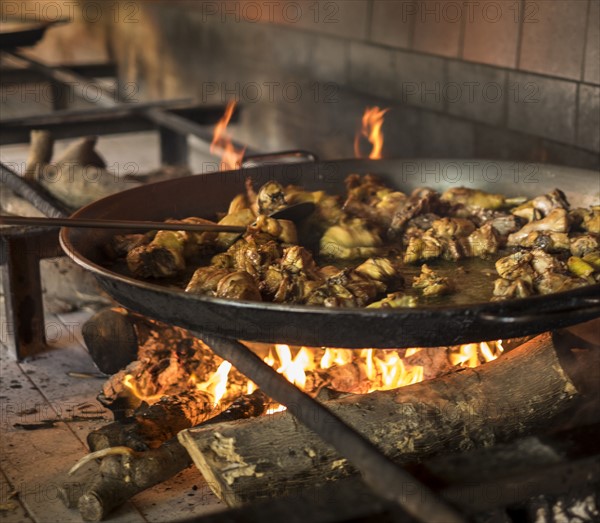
<point x="55" y="389"/>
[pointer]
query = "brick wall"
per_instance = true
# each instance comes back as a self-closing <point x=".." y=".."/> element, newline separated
<point x="513" y="79"/>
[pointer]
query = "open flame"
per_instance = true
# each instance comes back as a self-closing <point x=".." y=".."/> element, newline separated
<point x="231" y="157"/>
<point x="342" y="370"/>
<point x="372" y="121"/>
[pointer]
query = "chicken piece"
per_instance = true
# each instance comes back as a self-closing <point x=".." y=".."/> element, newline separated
<point x="253" y="255"/>
<point x="543" y="263"/>
<point x="206" y="279"/>
<point x="544" y="204"/>
<point x="555" y="221"/>
<point x="121" y="244"/>
<point x="483" y="241"/>
<point x="506" y="224"/>
<point x="591" y="221"/>
<point x="394" y="300"/>
<point x="281" y="286"/>
<point x="328" y="209"/>
<point x="297" y="259"/>
<point x="432" y="284"/>
<point x="346" y="289"/>
<point x="529" y="214"/>
<point x="507" y="289"/>
<point x="380" y="269"/>
<point x="270" y="198"/>
<point x="238" y="286"/>
<point x="546" y="240"/>
<point x="424" y="247"/>
<point x="473" y="198"/>
<point x="453" y="249"/>
<point x="556" y="282"/>
<point x="422" y="200"/>
<point x="516" y="265"/>
<point x="422" y="222"/>
<point x="282" y="230"/>
<point x="242" y="217"/>
<point x="163" y="257"/>
<point x="350" y="239"/>
<point x="584" y="244"/>
<point x="452" y="227"/>
<point x="238" y="204"/>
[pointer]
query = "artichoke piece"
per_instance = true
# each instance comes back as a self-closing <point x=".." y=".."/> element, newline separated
<point x="555" y="221"/>
<point x="432" y="284"/>
<point x="584" y="244"/>
<point x="205" y="280"/>
<point x="579" y="267"/>
<point x="238" y="286"/>
<point x="163" y="257"/>
<point x="350" y="239"/>
<point x="393" y="301"/>
<point x="593" y="258"/>
<point x="473" y="198"/>
<point x="452" y="227"/>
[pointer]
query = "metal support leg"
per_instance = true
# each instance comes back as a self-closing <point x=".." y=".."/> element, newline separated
<point x="174" y="148"/>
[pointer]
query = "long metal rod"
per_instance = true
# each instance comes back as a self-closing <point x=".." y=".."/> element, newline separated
<point x="385" y="477"/>
<point x="41" y="199"/>
<point x="118" y="224"/>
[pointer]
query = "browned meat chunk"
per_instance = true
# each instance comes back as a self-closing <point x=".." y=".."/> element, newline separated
<point x="432" y="284"/>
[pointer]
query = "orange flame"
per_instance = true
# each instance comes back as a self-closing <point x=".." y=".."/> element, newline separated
<point x="372" y="121"/>
<point x="231" y="157"/>
<point x="379" y="369"/>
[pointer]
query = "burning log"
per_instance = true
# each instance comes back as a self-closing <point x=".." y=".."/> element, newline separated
<point x="467" y="409"/>
<point x="125" y="472"/>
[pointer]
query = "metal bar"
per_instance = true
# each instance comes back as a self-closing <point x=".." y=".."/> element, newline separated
<point x="385" y="477"/>
<point x="35" y="194"/>
<point x="81" y="86"/>
<point x="109" y="98"/>
<point x="118" y="224"/>
<point x="100" y="113"/>
<point x="184" y="126"/>
<point x="174" y="149"/>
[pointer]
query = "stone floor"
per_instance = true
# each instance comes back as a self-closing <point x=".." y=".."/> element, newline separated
<point x="58" y="389"/>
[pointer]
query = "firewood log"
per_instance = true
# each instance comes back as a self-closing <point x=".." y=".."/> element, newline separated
<point x="124" y="472"/>
<point x="513" y="395"/>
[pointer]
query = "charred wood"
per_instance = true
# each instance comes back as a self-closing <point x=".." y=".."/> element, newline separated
<point x="472" y="408"/>
<point x="124" y="472"/>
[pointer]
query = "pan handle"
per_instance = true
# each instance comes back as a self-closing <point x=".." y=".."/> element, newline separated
<point x="296" y="156"/>
<point x="586" y="306"/>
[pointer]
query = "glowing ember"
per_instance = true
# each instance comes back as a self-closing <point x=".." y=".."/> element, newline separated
<point x="372" y="121"/>
<point x="231" y="157"/>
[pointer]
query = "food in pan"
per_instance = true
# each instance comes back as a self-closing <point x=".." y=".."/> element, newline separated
<point x="377" y="247"/>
